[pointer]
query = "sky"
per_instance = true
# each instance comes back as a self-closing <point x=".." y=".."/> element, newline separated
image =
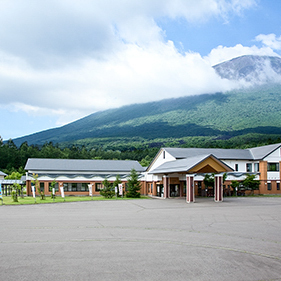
<point x="61" y="60"/>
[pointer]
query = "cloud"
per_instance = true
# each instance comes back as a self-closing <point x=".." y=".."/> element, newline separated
<point x="72" y="58"/>
<point x="270" y="40"/>
<point x="49" y="32"/>
<point x="222" y="53"/>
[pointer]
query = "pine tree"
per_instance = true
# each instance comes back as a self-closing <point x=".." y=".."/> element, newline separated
<point x="108" y="190"/>
<point x="133" y="185"/>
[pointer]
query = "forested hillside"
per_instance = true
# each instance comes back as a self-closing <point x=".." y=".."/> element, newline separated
<point x="236" y="113"/>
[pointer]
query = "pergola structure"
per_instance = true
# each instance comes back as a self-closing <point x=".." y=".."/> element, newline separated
<point x="8" y="184"/>
<point x="190" y="167"/>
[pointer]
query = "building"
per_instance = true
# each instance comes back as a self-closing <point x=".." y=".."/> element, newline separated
<point x="2" y="175"/>
<point x="7" y="185"/>
<point x="174" y="172"/>
<point x="76" y="175"/>
<point x="178" y="172"/>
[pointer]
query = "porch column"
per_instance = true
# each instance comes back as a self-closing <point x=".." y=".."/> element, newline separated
<point x="166" y="186"/>
<point x="190" y="188"/>
<point x="28" y="188"/>
<point x="218" y="188"/>
<point x="154" y="193"/>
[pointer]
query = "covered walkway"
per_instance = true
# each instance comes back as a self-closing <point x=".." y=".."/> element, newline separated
<point x="191" y="171"/>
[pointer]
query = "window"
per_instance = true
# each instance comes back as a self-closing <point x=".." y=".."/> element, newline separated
<point x="42" y="186"/>
<point x="74" y="187"/>
<point x="163" y="154"/>
<point x="84" y="187"/>
<point x="249" y="167"/>
<point x="269" y="186"/>
<point x="67" y="186"/>
<point x="236" y="167"/>
<point x="273" y="167"/>
<point x="278" y="186"/>
<point x="152" y="188"/>
<point x="98" y="186"/>
<point x="256" y="167"/>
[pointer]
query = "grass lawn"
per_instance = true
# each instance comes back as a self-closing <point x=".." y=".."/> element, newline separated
<point x="7" y="200"/>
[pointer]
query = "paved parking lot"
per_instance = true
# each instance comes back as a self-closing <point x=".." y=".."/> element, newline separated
<point x="154" y="239"/>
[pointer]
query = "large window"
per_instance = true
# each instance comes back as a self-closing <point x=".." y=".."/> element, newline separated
<point x="269" y="186"/>
<point x="273" y="167"/>
<point x="249" y="167"/>
<point x="278" y="186"/>
<point x="42" y="186"/>
<point x="256" y="167"/>
<point x="67" y="186"/>
<point x="76" y="187"/>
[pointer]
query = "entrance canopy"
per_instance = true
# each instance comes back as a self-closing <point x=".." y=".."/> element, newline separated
<point x="207" y="163"/>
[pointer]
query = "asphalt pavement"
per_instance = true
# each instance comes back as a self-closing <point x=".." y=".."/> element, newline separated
<point x="148" y="239"/>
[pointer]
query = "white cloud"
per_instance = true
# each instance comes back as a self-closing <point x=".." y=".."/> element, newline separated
<point x="222" y="53"/>
<point x="270" y="40"/>
<point x="71" y="58"/>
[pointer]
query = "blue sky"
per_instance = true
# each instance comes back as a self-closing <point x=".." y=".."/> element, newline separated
<point x="62" y="60"/>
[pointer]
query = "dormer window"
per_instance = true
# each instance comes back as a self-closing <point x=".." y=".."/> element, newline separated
<point x="164" y="154"/>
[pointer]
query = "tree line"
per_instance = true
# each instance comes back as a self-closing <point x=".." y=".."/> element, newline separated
<point x="13" y="158"/>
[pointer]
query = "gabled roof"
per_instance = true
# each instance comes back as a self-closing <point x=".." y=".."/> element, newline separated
<point x="256" y="153"/>
<point x="2" y="174"/>
<point x="180" y="153"/>
<point x="187" y="164"/>
<point x="263" y="151"/>
<point x="39" y="164"/>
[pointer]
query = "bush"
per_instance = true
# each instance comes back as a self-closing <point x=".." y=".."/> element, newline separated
<point x="14" y="195"/>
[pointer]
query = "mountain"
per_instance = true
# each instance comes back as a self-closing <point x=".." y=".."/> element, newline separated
<point x="252" y="110"/>
<point x="255" y="69"/>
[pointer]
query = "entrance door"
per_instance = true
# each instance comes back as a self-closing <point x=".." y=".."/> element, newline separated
<point x="160" y="190"/>
<point x="174" y="190"/>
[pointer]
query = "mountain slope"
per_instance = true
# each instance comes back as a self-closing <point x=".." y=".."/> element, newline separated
<point x="255" y="69"/>
<point x="222" y="115"/>
<point x="235" y="113"/>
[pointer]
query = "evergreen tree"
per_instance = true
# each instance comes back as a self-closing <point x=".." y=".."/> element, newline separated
<point x="108" y="190"/>
<point x="133" y="185"/>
